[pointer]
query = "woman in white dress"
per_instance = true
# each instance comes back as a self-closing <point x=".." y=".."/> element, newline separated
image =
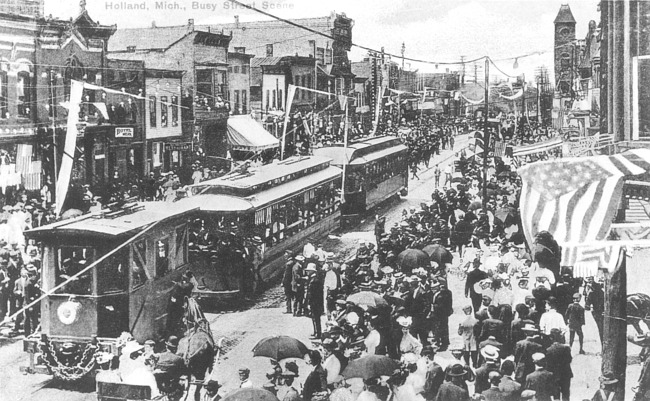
<point x="408" y="344"/>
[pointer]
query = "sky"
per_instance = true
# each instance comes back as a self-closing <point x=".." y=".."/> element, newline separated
<point x="436" y="30"/>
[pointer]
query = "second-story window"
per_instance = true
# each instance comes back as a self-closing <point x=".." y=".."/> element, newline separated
<point x="269" y="50"/>
<point x="163" y="111"/>
<point x="23" y="91"/>
<point x="152" y="111"/>
<point x="4" y="93"/>
<point x="320" y="55"/>
<point x="174" y="111"/>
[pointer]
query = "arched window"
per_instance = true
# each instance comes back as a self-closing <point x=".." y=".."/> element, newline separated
<point x="565" y="60"/>
<point x="23" y="93"/>
<point x="73" y="70"/>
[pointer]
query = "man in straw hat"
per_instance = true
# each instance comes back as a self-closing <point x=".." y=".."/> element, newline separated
<point x="490" y="355"/>
<point x="286" y="391"/>
<point x="524" y="351"/>
<point x="541" y="380"/>
<point x="608" y="384"/>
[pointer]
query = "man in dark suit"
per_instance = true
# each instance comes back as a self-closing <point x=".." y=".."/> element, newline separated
<point x="491" y="356"/>
<point x="509" y="387"/>
<point x="435" y="375"/>
<point x="524" y="351"/>
<point x="418" y="305"/>
<point x="558" y="361"/>
<point x="315" y="298"/>
<point x="442" y="307"/>
<point x="541" y="380"/>
<point x="493" y="393"/>
<point x="474" y="277"/>
<point x="169" y="368"/>
<point x="287" y="278"/>
<point x="492" y="326"/>
<point x="455" y="389"/>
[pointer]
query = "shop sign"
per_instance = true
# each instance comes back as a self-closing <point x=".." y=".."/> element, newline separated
<point x="182" y="146"/>
<point x="124" y="132"/>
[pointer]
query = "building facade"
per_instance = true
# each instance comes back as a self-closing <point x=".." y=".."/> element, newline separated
<point x="202" y="56"/>
<point x="239" y="83"/>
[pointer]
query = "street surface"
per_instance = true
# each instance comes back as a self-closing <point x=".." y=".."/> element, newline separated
<point x="264" y="316"/>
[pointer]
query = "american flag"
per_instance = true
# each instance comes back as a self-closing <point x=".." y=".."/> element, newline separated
<point x="575" y="199"/>
<point x="586" y="260"/>
<point x="499" y="148"/>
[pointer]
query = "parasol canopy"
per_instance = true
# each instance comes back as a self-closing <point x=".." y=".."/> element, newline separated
<point x="251" y="394"/>
<point x="507" y="215"/>
<point x="370" y="366"/>
<point x="475" y="205"/>
<point x="280" y="347"/>
<point x="367" y="298"/>
<point x="412" y="259"/>
<point x="439" y="254"/>
<point x="70" y="213"/>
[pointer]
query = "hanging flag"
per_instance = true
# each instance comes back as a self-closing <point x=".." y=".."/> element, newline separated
<point x="576" y="199"/>
<point x="65" y="171"/>
<point x="287" y="114"/>
<point x="343" y="101"/>
<point x="499" y="148"/>
<point x="586" y="260"/>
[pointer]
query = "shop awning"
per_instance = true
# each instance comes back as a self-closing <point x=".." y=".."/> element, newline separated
<point x="246" y="134"/>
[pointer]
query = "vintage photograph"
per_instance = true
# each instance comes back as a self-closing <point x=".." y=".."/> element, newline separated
<point x="302" y="200"/>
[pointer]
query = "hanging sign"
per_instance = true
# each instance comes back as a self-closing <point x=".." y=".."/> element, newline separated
<point x="124" y="132"/>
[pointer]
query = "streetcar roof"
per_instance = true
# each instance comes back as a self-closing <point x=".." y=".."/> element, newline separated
<point x="340" y="155"/>
<point x="211" y="202"/>
<point x="277" y="171"/>
<point x="91" y="223"/>
<point x="379" y="155"/>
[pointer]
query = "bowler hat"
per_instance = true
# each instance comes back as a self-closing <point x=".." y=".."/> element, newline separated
<point x="172" y="342"/>
<point x="457" y="370"/>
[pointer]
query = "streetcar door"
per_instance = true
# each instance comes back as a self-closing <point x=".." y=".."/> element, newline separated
<point x="112" y="294"/>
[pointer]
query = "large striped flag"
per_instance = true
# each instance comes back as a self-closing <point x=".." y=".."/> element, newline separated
<point x="575" y="199"/>
<point x="499" y="148"/>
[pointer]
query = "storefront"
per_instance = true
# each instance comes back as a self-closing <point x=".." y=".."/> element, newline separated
<point x="112" y="152"/>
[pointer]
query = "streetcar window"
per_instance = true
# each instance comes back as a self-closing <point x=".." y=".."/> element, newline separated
<point x="181" y="246"/>
<point x="70" y="261"/>
<point x="112" y="273"/>
<point x="139" y="264"/>
<point x="162" y="257"/>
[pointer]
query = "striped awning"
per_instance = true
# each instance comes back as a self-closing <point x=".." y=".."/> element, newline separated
<point x="539" y="147"/>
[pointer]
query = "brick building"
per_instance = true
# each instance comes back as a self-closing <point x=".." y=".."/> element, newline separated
<point x="202" y="56"/>
<point x="277" y="39"/>
<point x="239" y="80"/>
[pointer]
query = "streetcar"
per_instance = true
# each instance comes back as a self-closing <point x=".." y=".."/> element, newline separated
<point x="133" y="255"/>
<point x="376" y="169"/>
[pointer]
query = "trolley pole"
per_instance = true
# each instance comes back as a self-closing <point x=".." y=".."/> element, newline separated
<point x="486" y="132"/>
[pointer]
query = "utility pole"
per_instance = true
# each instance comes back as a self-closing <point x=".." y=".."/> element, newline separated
<point x="523" y="103"/>
<point x="475" y="73"/>
<point x="486" y="132"/>
<point x="403" y="50"/>
<point x="462" y="63"/>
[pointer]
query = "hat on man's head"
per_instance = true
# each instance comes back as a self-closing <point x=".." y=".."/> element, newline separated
<point x="529" y="328"/>
<point x="405" y="321"/>
<point x="387" y="270"/>
<point x="150" y="342"/>
<point x="456" y="370"/>
<point x="299" y="258"/>
<point x="172" y="342"/>
<point x="538" y="357"/>
<point x="244" y="370"/>
<point x="608" y="378"/>
<point x="490" y="353"/>
<point x="212" y="386"/>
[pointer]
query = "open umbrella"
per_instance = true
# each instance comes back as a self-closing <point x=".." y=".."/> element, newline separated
<point x="439" y="254"/>
<point x="251" y="394"/>
<point x="459" y="180"/>
<point x="475" y="205"/>
<point x="412" y="259"/>
<point x="70" y="213"/>
<point x="370" y="366"/>
<point x="507" y="215"/>
<point x="367" y="298"/>
<point x="280" y="347"/>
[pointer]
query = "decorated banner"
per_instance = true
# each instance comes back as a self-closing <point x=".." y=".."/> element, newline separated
<point x="575" y="199"/>
<point x="65" y="172"/>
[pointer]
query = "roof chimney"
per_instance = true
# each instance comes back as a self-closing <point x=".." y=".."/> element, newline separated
<point x="153" y="24"/>
<point x="190" y="24"/>
<point x="236" y="21"/>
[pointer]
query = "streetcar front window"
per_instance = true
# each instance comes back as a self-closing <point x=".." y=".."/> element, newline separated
<point x="162" y="257"/>
<point x="112" y="273"/>
<point x="70" y="262"/>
